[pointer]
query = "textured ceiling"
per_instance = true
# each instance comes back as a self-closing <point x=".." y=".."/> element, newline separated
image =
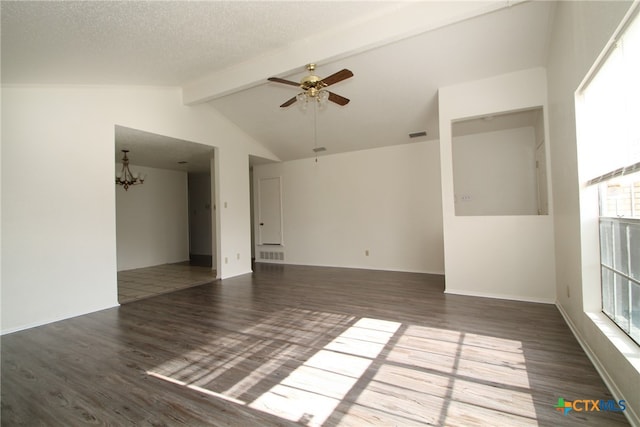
<point x="175" y="43"/>
<point x="153" y="42"/>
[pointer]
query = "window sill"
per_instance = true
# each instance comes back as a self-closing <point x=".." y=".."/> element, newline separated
<point x="625" y="345"/>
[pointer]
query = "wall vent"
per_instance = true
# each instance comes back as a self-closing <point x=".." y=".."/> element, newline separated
<point x="270" y="255"/>
<point x="418" y="134"/>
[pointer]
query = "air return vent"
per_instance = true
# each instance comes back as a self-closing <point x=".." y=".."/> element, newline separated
<point x="418" y="134"/>
<point x="269" y="255"/>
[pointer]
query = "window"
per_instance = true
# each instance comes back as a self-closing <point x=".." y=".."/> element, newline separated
<point x="620" y="252"/>
<point x="609" y="134"/>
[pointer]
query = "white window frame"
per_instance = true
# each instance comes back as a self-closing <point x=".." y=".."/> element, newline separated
<point x="590" y="214"/>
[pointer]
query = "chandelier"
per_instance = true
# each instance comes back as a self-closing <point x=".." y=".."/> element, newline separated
<point x="125" y="177"/>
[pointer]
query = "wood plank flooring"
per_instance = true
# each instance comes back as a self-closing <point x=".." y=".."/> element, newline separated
<point x="145" y="282"/>
<point x="294" y="345"/>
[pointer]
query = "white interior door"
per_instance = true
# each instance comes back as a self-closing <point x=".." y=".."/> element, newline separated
<point x="270" y="211"/>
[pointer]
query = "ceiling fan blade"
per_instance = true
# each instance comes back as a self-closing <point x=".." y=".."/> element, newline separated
<point x="340" y="100"/>
<point x="337" y="77"/>
<point x="289" y="102"/>
<point x="279" y="80"/>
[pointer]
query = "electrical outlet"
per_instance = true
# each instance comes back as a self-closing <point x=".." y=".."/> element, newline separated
<point x="366" y="252"/>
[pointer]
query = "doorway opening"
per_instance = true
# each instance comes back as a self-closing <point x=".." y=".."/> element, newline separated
<point x="162" y="238"/>
<point x="254" y="195"/>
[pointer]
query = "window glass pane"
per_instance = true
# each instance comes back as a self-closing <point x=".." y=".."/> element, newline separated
<point x="607" y="292"/>
<point x="606" y="243"/>
<point x="634" y="250"/>
<point x="620" y="250"/>
<point x="636" y="194"/>
<point x="635" y="312"/>
<point x="620" y="197"/>
<point x="621" y="302"/>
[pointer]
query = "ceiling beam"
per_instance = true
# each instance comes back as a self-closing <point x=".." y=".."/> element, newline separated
<point x="397" y="22"/>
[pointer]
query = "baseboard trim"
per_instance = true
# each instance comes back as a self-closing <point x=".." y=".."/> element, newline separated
<point x="54" y="319"/>
<point x="350" y="266"/>
<point x="242" y="273"/>
<point x="499" y="296"/>
<point x="629" y="413"/>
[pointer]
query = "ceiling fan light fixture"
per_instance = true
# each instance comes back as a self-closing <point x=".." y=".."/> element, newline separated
<point x="320" y="96"/>
<point x="313" y="86"/>
<point x="323" y="96"/>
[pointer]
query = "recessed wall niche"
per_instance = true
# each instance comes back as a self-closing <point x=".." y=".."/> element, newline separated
<point x="499" y="164"/>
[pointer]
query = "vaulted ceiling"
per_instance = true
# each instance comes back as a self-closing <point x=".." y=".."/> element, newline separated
<point x="222" y="52"/>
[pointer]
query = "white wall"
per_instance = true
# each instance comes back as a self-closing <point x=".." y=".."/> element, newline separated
<point x="59" y="218"/>
<point x="498" y="256"/>
<point x="234" y="254"/>
<point x="580" y="32"/>
<point x="494" y="173"/>
<point x="152" y="225"/>
<point x="385" y="200"/>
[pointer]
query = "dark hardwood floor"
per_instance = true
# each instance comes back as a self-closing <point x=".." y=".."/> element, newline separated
<point x="141" y="283"/>
<point x="303" y="345"/>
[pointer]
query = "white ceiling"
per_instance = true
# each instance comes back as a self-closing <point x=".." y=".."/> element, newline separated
<point x="496" y="122"/>
<point x="151" y="42"/>
<point x="159" y="151"/>
<point x="400" y="54"/>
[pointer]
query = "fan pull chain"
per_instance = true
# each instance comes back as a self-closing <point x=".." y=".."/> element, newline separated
<point x="315" y="128"/>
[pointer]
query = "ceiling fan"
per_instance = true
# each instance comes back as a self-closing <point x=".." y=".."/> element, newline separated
<point x="314" y="87"/>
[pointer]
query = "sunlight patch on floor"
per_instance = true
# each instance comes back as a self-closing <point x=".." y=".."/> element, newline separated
<point x="311" y="393"/>
<point x="438" y="376"/>
<point x="422" y="375"/>
<point x="465" y="355"/>
<point x="488" y="397"/>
